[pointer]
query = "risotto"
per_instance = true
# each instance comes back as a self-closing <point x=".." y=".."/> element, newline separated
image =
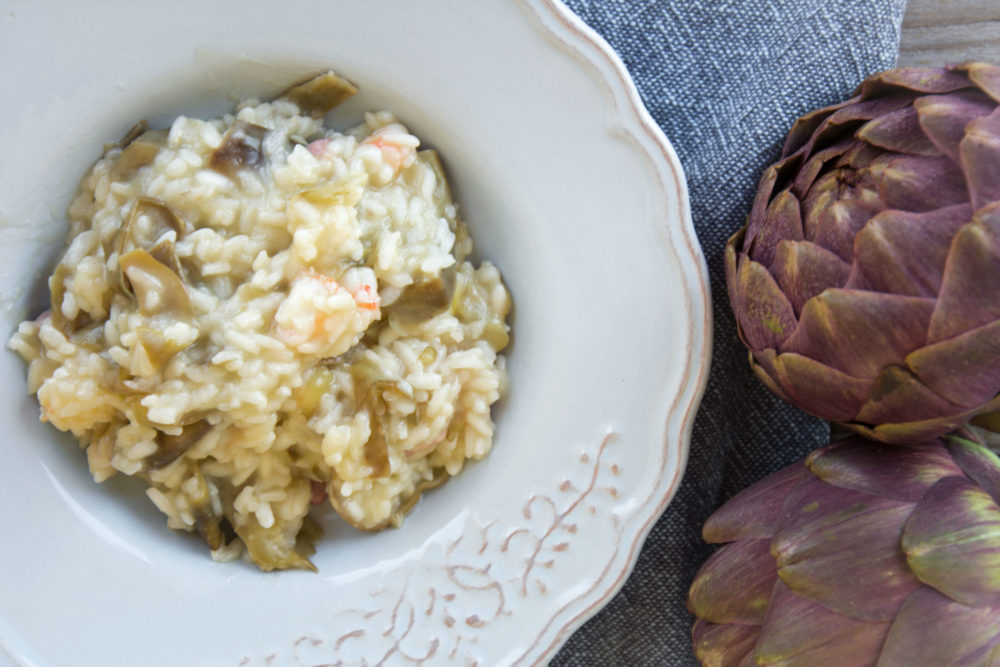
<point x="256" y="314"/>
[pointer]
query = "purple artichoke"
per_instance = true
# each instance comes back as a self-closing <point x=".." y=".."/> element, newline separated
<point x="863" y="554"/>
<point x="866" y="283"/>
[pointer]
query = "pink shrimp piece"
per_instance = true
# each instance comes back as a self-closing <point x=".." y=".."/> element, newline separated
<point x="392" y="142"/>
<point x="318" y="147"/>
<point x="322" y="315"/>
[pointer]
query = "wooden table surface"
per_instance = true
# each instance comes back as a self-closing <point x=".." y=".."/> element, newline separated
<point x="936" y="32"/>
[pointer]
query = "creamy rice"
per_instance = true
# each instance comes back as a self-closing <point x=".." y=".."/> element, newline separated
<point x="256" y="313"/>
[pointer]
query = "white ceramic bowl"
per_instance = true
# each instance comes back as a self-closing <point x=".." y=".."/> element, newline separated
<point x="567" y="186"/>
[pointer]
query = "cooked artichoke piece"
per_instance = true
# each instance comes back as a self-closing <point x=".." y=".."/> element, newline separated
<point x="160" y="219"/>
<point x="423" y="300"/>
<point x="377" y="450"/>
<point x="138" y="151"/>
<point x="158" y="348"/>
<point x="158" y="289"/>
<point x="241" y="148"/>
<point x="346" y="191"/>
<point x="320" y="94"/>
<point x="470" y="304"/>
<point x="169" y="448"/>
<point x="57" y="290"/>
<point x="268" y="548"/>
<point x="311" y="393"/>
<point x="134" y="133"/>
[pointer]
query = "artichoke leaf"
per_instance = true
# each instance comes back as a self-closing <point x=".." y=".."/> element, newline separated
<point x="346" y="191"/>
<point x="735" y="583"/>
<point x="952" y="542"/>
<point x="148" y="220"/>
<point x="320" y="94"/>
<point x="242" y="147"/>
<point x="138" y="151"/>
<point x="267" y="547"/>
<point x="156" y="287"/>
<point x="970" y="287"/>
<point x="978" y="462"/>
<point x="169" y="448"/>
<point x="799" y="632"/>
<point x="834" y="323"/>
<point x="57" y="291"/>
<point x="825" y="532"/>
<point x="932" y="629"/>
<point x="723" y="645"/>
<point x="899" y="472"/>
<point x="979" y="153"/>
<point x="157" y="347"/>
<point x="424" y="300"/>
<point x="754" y="511"/>
<point x="898" y="131"/>
<point x="766" y="316"/>
<point x="814" y="387"/>
<point x="271" y="548"/>
<point x="905" y="253"/>
<point x="944" y="117"/>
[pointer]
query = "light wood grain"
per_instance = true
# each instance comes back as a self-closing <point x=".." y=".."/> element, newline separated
<point x="936" y="32"/>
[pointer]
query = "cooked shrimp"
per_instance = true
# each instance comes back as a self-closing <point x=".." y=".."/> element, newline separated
<point x="323" y="316"/>
<point x="398" y="147"/>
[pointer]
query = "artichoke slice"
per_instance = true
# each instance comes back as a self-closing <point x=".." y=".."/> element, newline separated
<point x="242" y="148"/>
<point x="268" y="548"/>
<point x="158" y="289"/>
<point x="147" y="221"/>
<point x="423" y="300"/>
<point x="139" y="148"/>
<point x="169" y="448"/>
<point x="320" y="94"/>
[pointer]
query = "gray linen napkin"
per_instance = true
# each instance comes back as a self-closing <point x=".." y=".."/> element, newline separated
<point x="725" y="79"/>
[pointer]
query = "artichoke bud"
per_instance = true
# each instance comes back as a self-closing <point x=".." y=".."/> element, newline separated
<point x="866" y="283"/>
<point x="863" y="553"/>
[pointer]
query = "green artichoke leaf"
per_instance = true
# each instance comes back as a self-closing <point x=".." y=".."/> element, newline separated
<point x="799" y="632"/>
<point x="979" y="463"/>
<point x="899" y="472"/>
<point x="826" y="532"/>
<point x="952" y="542"/>
<point x="729" y="644"/>
<point x="734" y="585"/>
<point x="320" y="94"/>
<point x="932" y="629"/>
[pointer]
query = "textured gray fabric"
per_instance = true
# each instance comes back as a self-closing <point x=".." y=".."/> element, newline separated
<point x="725" y="79"/>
